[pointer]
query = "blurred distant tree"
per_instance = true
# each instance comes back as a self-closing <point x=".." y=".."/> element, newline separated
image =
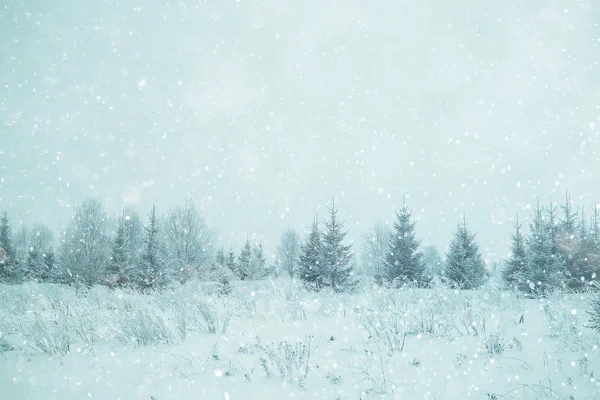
<point x="432" y="260"/>
<point x="188" y="239"/>
<point x="9" y="265"/>
<point x="288" y="251"/>
<point x="513" y="273"/>
<point x="85" y="249"/>
<point x="39" y="262"/>
<point x="376" y="248"/>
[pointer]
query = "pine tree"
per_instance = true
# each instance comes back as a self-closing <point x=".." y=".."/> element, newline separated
<point x="336" y="256"/>
<point x="152" y="272"/>
<point x="310" y="263"/>
<point x="404" y="261"/>
<point x="464" y="268"/>
<point x="516" y="264"/>
<point x="8" y="264"/>
<point x="543" y="271"/>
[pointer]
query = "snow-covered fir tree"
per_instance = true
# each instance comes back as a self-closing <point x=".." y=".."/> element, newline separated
<point x="464" y="267"/>
<point x="310" y="262"/>
<point x="512" y="274"/>
<point x="336" y="257"/>
<point x="404" y="261"/>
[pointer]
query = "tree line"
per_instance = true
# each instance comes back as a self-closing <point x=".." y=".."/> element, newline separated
<point x="128" y="250"/>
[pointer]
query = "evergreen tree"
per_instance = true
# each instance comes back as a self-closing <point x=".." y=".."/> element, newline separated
<point x="220" y="273"/>
<point x="244" y="263"/>
<point x="32" y="265"/>
<point x="118" y="267"/>
<point x="336" y="267"/>
<point x="219" y="261"/>
<point x="516" y="264"/>
<point x="258" y="262"/>
<point x="582" y="265"/>
<point x="310" y="263"/>
<point x="464" y="268"/>
<point x="543" y="271"/>
<point x="404" y="262"/>
<point x="152" y="271"/>
<point x="568" y="243"/>
<point x="39" y="241"/>
<point x="8" y="264"/>
<point x="230" y="262"/>
<point x="49" y="264"/>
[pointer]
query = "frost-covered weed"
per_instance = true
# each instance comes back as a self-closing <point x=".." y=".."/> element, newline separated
<point x="141" y="325"/>
<point x="48" y="336"/>
<point x="290" y="360"/>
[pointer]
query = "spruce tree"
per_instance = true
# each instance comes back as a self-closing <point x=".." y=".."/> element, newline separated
<point x="464" y="267"/>
<point x="336" y="256"/>
<point x="310" y="262"/>
<point x="517" y="262"/>
<point x="9" y="264"/>
<point x="152" y="272"/>
<point x="543" y="271"/>
<point x="404" y="261"/>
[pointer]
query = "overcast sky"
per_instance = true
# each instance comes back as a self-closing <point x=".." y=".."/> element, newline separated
<point x="265" y="111"/>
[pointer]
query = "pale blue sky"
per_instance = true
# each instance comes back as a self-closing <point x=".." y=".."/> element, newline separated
<point x="264" y="111"/>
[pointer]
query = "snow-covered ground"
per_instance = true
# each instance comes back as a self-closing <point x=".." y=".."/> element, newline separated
<point x="273" y="340"/>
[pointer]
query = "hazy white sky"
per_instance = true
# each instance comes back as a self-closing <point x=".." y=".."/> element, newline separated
<point x="264" y="111"/>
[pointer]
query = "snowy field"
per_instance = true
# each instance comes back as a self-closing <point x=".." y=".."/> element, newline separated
<point x="273" y="340"/>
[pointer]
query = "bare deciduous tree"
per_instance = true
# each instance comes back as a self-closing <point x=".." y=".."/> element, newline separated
<point x="189" y="240"/>
<point x="288" y="251"/>
<point x="85" y="249"/>
<point x="376" y="248"/>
